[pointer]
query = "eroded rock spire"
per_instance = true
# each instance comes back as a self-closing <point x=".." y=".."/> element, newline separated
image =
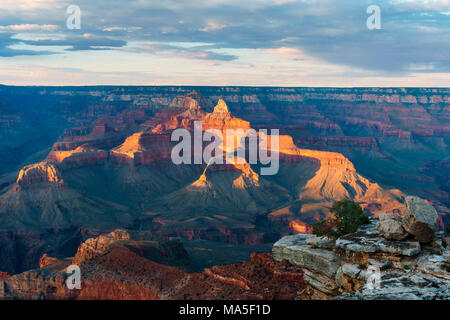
<point x="221" y="108"/>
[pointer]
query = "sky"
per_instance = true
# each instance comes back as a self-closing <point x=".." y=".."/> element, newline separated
<point x="323" y="43"/>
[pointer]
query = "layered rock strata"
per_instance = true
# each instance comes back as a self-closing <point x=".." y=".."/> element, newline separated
<point x="366" y="265"/>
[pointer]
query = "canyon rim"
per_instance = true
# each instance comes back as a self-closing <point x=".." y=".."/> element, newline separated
<point x="233" y="158"/>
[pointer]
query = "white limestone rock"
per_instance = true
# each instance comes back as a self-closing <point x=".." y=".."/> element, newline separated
<point x="295" y="250"/>
<point x="390" y="227"/>
<point x="420" y="219"/>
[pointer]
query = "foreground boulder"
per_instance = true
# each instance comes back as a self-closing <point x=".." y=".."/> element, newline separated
<point x="420" y="219"/>
<point x="390" y="226"/>
<point x="366" y="265"/>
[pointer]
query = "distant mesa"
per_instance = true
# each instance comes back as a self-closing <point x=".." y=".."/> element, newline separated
<point x="42" y="172"/>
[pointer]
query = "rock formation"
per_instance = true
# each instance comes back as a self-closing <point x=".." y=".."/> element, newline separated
<point x="122" y="272"/>
<point x="390" y="227"/>
<point x="221" y="110"/>
<point x="376" y="128"/>
<point x="35" y="174"/>
<point x="420" y="219"/>
<point x="118" y="167"/>
<point x="111" y="168"/>
<point x="221" y="119"/>
<point x="79" y="157"/>
<point x="94" y="247"/>
<point x="361" y="265"/>
<point x="45" y="260"/>
<point x="366" y="265"/>
<point x="36" y="285"/>
<point x="21" y="251"/>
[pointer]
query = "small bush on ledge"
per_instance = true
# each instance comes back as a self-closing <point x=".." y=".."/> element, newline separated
<point x="347" y="217"/>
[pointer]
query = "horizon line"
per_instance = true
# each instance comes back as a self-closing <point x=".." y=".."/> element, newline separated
<point x="219" y="86"/>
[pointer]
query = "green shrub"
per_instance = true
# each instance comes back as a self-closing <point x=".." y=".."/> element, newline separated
<point x="347" y="217"/>
<point x="447" y="229"/>
<point x="445" y="267"/>
<point x="325" y="228"/>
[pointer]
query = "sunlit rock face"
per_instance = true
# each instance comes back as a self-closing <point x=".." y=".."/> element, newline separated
<point x="79" y="157"/>
<point x="221" y="119"/>
<point x="143" y="148"/>
<point x="221" y="110"/>
<point x="42" y="172"/>
<point x="127" y="158"/>
<point x="95" y="247"/>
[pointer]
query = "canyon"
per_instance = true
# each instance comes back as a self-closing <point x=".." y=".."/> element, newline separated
<point x="366" y="264"/>
<point x="77" y="162"/>
<point x="130" y="179"/>
<point x="123" y="265"/>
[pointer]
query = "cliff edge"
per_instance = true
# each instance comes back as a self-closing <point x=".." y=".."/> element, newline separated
<point x="369" y="265"/>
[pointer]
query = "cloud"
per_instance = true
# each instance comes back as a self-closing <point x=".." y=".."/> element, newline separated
<point x="29" y="27"/>
<point x="15" y="5"/>
<point x="84" y="42"/>
<point x="127" y="29"/>
<point x="420" y="5"/>
<point x="197" y="52"/>
<point x="414" y="38"/>
<point x="9" y="41"/>
<point x="213" y="26"/>
<point x="288" y="53"/>
<point x="6" y="41"/>
<point x="31" y="74"/>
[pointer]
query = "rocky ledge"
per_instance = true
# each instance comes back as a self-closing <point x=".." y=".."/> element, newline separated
<point x="114" y="267"/>
<point x="381" y="260"/>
